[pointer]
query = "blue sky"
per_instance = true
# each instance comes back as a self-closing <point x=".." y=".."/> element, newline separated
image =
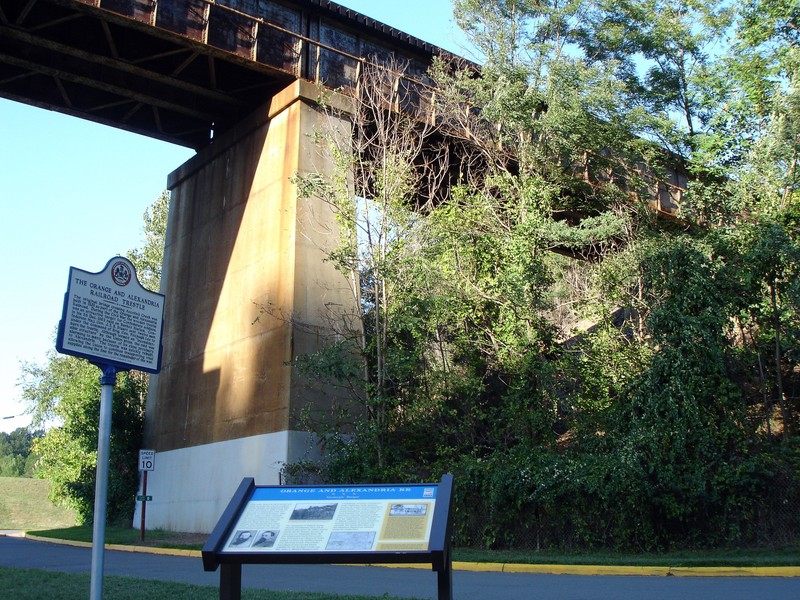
<point x="73" y="193"/>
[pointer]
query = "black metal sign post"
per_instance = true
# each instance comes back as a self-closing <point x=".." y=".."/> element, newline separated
<point x="109" y="319"/>
<point x="386" y="523"/>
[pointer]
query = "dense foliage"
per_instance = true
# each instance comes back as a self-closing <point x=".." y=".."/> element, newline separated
<point x="594" y="372"/>
<point x="63" y="396"/>
<point x="16" y="459"/>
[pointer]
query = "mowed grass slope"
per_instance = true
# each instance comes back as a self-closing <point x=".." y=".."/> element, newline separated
<point x="24" y="504"/>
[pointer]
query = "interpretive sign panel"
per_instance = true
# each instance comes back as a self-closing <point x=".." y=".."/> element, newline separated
<point x="335" y="524"/>
<point x="109" y="318"/>
<point x="335" y="519"/>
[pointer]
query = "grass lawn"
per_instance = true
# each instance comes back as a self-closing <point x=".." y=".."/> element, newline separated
<point x="31" y="584"/>
<point x="737" y="557"/>
<point x="24" y="504"/>
<point x="126" y="536"/>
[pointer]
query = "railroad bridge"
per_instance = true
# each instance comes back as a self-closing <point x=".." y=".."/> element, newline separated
<point x="186" y="71"/>
<point x="237" y="81"/>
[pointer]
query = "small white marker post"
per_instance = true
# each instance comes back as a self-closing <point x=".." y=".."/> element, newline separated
<point x="112" y="321"/>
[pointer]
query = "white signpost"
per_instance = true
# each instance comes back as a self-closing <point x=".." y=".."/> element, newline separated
<point x="112" y="321"/>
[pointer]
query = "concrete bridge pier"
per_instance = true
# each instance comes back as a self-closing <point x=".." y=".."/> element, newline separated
<point x="239" y="239"/>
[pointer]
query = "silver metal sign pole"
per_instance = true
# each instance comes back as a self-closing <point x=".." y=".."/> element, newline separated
<point x="97" y="307"/>
<point x="107" y="382"/>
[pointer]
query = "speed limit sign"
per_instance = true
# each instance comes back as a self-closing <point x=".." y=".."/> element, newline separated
<point x="147" y="460"/>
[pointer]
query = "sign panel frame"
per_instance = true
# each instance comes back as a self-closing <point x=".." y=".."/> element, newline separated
<point x="342" y="524"/>
<point x="108" y="318"/>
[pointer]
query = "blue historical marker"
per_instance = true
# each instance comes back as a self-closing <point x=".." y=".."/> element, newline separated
<point x="112" y="321"/>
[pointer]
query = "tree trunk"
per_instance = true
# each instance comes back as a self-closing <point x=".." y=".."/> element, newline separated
<point x="785" y="415"/>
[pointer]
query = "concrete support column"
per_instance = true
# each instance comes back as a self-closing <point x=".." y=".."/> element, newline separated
<point x="239" y="240"/>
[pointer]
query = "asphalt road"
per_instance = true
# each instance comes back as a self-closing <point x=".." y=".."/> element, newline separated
<point x="406" y="583"/>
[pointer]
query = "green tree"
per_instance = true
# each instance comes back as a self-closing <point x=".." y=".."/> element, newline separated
<point x="149" y="258"/>
<point x="67" y="391"/>
<point x="386" y="168"/>
<point x="16" y="459"/>
<point x="663" y="51"/>
<point x="63" y="395"/>
<point x="760" y="121"/>
<point x="682" y="425"/>
<point x="770" y="264"/>
<point x="621" y="400"/>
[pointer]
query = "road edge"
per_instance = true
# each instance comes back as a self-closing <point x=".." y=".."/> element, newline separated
<point x="658" y="571"/>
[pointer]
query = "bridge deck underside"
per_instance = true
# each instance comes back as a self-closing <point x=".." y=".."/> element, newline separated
<point x="185" y="69"/>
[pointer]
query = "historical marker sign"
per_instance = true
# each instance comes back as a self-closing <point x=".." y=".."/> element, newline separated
<point x="109" y="318"/>
<point x="335" y="524"/>
<point x="383" y="518"/>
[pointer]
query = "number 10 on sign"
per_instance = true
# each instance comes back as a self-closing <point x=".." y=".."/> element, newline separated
<point x="147" y="460"/>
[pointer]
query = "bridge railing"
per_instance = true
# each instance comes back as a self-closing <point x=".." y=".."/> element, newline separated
<point x="281" y="38"/>
<point x="285" y="39"/>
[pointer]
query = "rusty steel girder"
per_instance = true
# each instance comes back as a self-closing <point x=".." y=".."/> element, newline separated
<point x="183" y="70"/>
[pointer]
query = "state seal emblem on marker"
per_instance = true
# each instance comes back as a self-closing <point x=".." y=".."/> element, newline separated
<point x="120" y="273"/>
